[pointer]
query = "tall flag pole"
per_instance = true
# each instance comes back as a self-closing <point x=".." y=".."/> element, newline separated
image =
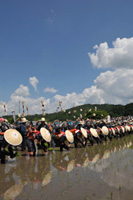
<point x="4" y="105"/>
<point x="19" y="114"/>
<point x="27" y="109"/>
<point x="60" y="102"/>
<point x="23" y="114"/>
<point x="43" y="109"/>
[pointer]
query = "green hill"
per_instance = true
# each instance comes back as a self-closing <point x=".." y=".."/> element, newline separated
<point x="71" y="114"/>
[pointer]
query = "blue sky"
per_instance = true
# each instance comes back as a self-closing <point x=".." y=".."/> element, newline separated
<point x="50" y="40"/>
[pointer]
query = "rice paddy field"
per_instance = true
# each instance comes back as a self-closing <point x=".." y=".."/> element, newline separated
<point x="103" y="171"/>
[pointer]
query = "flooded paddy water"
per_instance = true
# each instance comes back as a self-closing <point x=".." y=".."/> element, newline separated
<point x="103" y="171"/>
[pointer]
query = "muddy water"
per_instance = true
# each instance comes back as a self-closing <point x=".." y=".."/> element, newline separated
<point x="103" y="171"/>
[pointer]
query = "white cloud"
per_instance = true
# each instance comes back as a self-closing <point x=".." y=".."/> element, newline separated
<point x="34" y="81"/>
<point x="117" y="86"/>
<point x="21" y="91"/>
<point x="89" y="95"/>
<point x="120" y="56"/>
<point x="22" y="94"/>
<point x="33" y="104"/>
<point x="51" y="90"/>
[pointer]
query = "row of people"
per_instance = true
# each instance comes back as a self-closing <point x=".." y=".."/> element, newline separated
<point x="55" y="135"/>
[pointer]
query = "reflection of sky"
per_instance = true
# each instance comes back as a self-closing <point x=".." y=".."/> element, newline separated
<point x="119" y="170"/>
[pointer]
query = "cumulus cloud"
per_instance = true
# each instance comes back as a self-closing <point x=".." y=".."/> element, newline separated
<point x="22" y="94"/>
<point x="117" y="86"/>
<point x="21" y="91"/>
<point x="89" y="95"/>
<point x="119" y="56"/>
<point x="34" y="81"/>
<point x="34" y="104"/>
<point x="51" y="90"/>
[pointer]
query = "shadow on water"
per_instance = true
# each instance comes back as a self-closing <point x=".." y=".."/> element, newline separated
<point x="103" y="171"/>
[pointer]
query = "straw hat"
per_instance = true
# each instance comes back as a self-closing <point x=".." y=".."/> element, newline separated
<point x="124" y="120"/>
<point x="13" y="137"/>
<point x="94" y="132"/>
<point x="105" y="130"/>
<point x="69" y="136"/>
<point x="23" y="120"/>
<point x="70" y="166"/>
<point x="45" y="134"/>
<point x="5" y="120"/>
<point x="42" y="119"/>
<point x="84" y="132"/>
<point x="81" y="122"/>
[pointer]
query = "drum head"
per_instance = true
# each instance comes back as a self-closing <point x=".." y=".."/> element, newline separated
<point x="84" y="132"/>
<point x="127" y="128"/>
<point x="13" y="137"/>
<point x="94" y="132"/>
<point x="105" y="130"/>
<point x="69" y="136"/>
<point x="45" y="134"/>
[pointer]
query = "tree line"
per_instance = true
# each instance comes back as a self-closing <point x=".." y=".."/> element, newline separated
<point x="94" y="111"/>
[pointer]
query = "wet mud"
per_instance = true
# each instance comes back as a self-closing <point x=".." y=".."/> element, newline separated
<point x="103" y="171"/>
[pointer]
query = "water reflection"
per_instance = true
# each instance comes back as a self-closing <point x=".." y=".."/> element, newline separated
<point x="13" y="191"/>
<point x="110" y="163"/>
<point x="47" y="179"/>
<point x="118" y="172"/>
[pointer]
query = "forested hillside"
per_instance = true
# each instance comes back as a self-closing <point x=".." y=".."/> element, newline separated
<point x="95" y="111"/>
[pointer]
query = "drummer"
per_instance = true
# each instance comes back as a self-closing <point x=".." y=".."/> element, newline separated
<point x="4" y="125"/>
<point x="3" y="145"/>
<point x="21" y="127"/>
<point x="41" y="143"/>
<point x="78" y="138"/>
<point x="30" y="140"/>
<point x="42" y="124"/>
<point x="60" y="139"/>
